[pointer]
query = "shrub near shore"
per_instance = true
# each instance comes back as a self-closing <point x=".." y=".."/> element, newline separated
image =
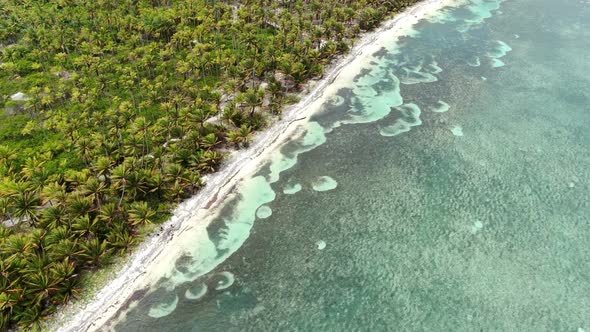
<point x="123" y="107"/>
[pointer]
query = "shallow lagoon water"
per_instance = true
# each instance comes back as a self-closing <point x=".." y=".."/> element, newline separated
<point x="418" y="227"/>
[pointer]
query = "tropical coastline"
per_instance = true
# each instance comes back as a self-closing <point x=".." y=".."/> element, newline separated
<point x="158" y="250"/>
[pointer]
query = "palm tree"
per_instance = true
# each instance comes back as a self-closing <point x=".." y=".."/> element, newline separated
<point x="121" y="238"/>
<point x="26" y="206"/>
<point x="119" y="176"/>
<point x="52" y="217"/>
<point x="53" y="193"/>
<point x="253" y="98"/>
<point x="95" y="253"/>
<point x="240" y="137"/>
<point x="65" y="248"/>
<point x="86" y="227"/>
<point x="140" y="213"/>
<point x="78" y="204"/>
<point x="96" y="188"/>
<point x="102" y="166"/>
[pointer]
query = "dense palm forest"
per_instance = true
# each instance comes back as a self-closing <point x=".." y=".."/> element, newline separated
<point x="113" y="111"/>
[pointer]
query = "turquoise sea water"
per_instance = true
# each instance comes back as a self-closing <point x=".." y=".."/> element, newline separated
<point x="446" y="187"/>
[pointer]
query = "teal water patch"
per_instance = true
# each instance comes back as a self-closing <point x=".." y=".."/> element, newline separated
<point x="292" y="188"/>
<point x="409" y="116"/>
<point x="481" y="10"/>
<point x="263" y="212"/>
<point x="196" y="293"/>
<point x="223" y="280"/>
<point x="231" y="231"/>
<point x="314" y="136"/>
<point x="164" y="308"/>
<point x="475" y="62"/>
<point x="420" y="73"/>
<point x="499" y="51"/>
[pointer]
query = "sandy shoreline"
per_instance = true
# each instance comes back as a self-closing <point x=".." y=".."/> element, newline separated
<point x="105" y="303"/>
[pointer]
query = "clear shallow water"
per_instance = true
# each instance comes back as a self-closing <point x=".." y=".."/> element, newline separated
<point x="445" y="188"/>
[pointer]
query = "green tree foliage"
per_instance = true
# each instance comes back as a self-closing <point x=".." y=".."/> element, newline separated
<point x="128" y="104"/>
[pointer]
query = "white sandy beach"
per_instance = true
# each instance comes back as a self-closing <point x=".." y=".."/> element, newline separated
<point x="158" y="253"/>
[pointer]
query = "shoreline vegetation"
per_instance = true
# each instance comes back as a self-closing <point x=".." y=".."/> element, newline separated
<point x="104" y="133"/>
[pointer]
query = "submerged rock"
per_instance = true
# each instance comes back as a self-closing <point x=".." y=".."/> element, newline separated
<point x="321" y="244"/>
<point x="440" y="107"/>
<point x="457" y="131"/>
<point x="291" y="189"/>
<point x="324" y="183"/>
<point x="477" y="226"/>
